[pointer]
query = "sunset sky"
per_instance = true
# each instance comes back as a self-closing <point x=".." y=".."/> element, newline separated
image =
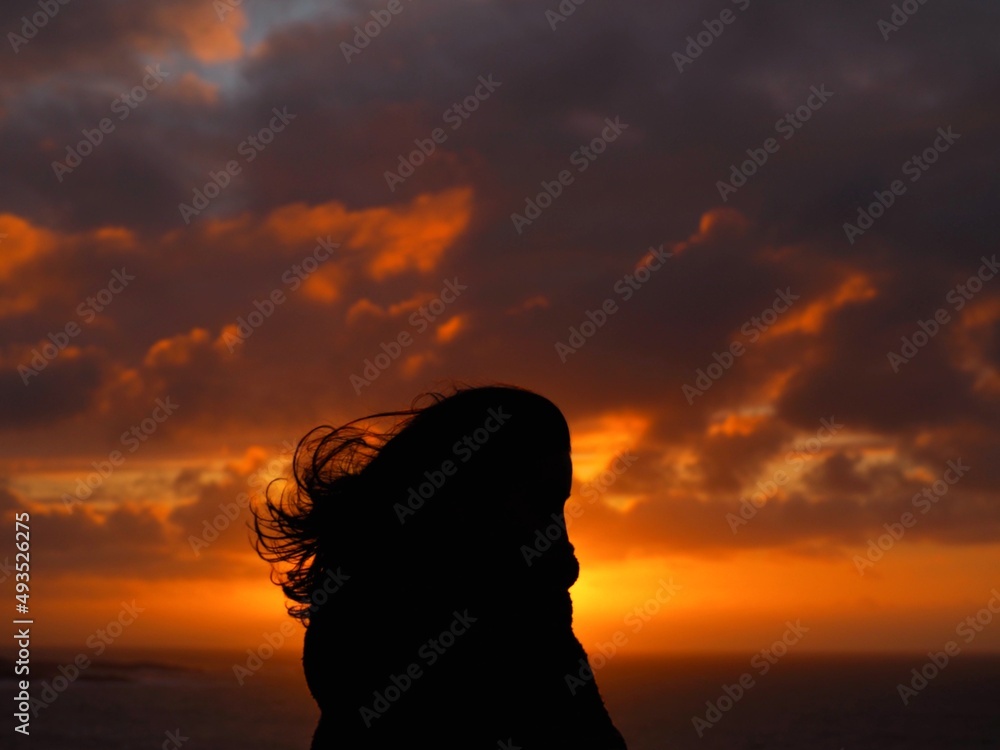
<point x="760" y="272"/>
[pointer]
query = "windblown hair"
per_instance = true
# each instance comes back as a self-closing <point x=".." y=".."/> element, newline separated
<point x="346" y="506"/>
<point x="294" y="527"/>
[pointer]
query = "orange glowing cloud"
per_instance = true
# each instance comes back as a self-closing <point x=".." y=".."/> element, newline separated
<point x="733" y="424"/>
<point x="21" y="242"/>
<point x="857" y="287"/>
<point x="413" y="364"/>
<point x="177" y="350"/>
<point x="597" y="442"/>
<point x="416" y="238"/>
<point x="362" y="308"/>
<point x="774" y="385"/>
<point x="394" y="239"/>
<point x="716" y="223"/>
<point x="192" y="89"/>
<point x="253" y="459"/>
<point x="603" y="451"/>
<point x="204" y="35"/>
<point x="721" y="221"/>
<point x="451" y="328"/>
<point x="365" y="307"/>
<point x="324" y="285"/>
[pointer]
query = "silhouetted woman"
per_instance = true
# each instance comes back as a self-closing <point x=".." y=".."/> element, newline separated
<point x="437" y="617"/>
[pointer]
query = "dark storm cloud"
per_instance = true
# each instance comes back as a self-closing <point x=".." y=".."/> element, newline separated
<point x="357" y="117"/>
<point x="655" y="184"/>
<point x="68" y="389"/>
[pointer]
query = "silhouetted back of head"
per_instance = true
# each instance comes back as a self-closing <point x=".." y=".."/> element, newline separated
<point x="453" y="490"/>
<point x="418" y="524"/>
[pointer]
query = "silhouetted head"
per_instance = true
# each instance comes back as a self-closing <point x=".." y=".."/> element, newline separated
<point x="453" y="496"/>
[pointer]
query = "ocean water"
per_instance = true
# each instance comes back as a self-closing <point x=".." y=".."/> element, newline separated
<point x="807" y="702"/>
